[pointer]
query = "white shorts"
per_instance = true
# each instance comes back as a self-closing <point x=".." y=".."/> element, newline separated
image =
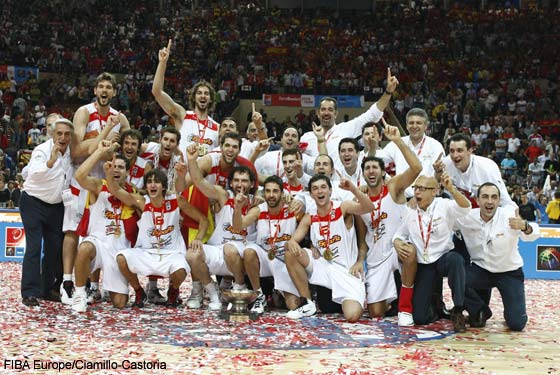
<point x="275" y="268"/>
<point x="106" y="260"/>
<point x="73" y="213"/>
<point x="331" y="275"/>
<point x="214" y="258"/>
<point x="144" y="263"/>
<point x="380" y="283"/>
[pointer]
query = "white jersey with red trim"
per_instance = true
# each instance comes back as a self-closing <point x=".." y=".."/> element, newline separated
<point x="105" y="221"/>
<point x="159" y="231"/>
<point x="202" y="132"/>
<point x="381" y="225"/>
<point x="224" y="232"/>
<point x="292" y="190"/>
<point x="96" y="124"/>
<point x="166" y="166"/>
<point x="270" y="164"/>
<point x="330" y="232"/>
<point x="275" y="229"/>
<point x="136" y="172"/>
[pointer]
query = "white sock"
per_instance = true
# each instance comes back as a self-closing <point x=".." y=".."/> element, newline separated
<point x="67" y="277"/>
<point x="81" y="289"/>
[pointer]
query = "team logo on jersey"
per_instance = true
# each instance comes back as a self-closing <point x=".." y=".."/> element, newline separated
<point x="161" y="232"/>
<point x="134" y="170"/>
<point x="196" y="139"/>
<point x="168" y="206"/>
<point x="333" y="239"/>
<point x="229" y="228"/>
<point x="110" y="215"/>
<point x="282" y="238"/>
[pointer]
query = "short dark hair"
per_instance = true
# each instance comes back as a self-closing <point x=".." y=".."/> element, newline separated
<point x="243" y="169"/>
<point x="349" y="140"/>
<point x="172" y="130"/>
<point x="274" y="180"/>
<point x="488" y="184"/>
<point x="373" y="158"/>
<point x="291" y="127"/>
<point x="105" y="76"/>
<point x="320" y="155"/>
<point x="458" y="137"/>
<point x="319" y="177"/>
<point x="126" y="162"/>
<point x="231" y="135"/>
<point x="292" y="151"/>
<point x="329" y="99"/>
<point x="158" y="176"/>
<point x="132" y="133"/>
<point x="372" y="124"/>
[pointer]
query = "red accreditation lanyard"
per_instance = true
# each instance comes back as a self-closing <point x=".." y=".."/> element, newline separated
<point x="426" y="238"/>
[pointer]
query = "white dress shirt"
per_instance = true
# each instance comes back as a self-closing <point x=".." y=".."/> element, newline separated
<point x="480" y="170"/>
<point x="442" y="214"/>
<point x="493" y="245"/>
<point x="46" y="183"/>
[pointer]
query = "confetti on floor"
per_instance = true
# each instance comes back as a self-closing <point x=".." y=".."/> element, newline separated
<point x="180" y="341"/>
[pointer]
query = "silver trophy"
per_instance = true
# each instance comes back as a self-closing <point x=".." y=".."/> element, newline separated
<point x="239" y="300"/>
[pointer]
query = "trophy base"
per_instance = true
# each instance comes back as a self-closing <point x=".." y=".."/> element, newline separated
<point x="238" y="317"/>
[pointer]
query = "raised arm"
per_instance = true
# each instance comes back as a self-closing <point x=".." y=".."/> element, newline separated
<point x="385" y="99"/>
<point x="89" y="183"/>
<point x="459" y="197"/>
<point x="321" y="141"/>
<point x="362" y="206"/>
<point x="403" y="180"/>
<point x="164" y="100"/>
<point x="241" y="221"/>
<point x="129" y="199"/>
<point x="211" y="191"/>
<point x="258" y="121"/>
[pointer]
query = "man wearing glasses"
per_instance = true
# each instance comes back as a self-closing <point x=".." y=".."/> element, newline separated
<point x="429" y="230"/>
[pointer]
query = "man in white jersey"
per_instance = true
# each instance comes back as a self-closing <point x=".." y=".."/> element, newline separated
<point x="275" y="225"/>
<point x="426" y="148"/>
<point x="131" y="145"/>
<point x="328" y="112"/>
<point x="375" y="244"/>
<point x="160" y="249"/>
<point x="428" y="229"/>
<point x="331" y="228"/>
<point x="93" y="123"/>
<point x="106" y="232"/>
<point x="195" y="126"/>
<point x="212" y="259"/>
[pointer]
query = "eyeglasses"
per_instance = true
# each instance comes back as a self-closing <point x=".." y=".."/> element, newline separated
<point x="422" y="188"/>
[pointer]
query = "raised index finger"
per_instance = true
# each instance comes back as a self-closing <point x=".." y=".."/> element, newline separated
<point x="253" y="104"/>
<point x="169" y="43"/>
<point x="388" y="74"/>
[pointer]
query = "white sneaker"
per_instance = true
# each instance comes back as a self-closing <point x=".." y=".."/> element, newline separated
<point x="259" y="304"/>
<point x="66" y="292"/>
<point x="405" y="319"/>
<point x="195" y="299"/>
<point x="214" y="303"/>
<point x="79" y="301"/>
<point x="308" y="309"/>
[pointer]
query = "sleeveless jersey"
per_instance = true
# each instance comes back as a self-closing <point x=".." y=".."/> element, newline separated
<point x="135" y="174"/>
<point x="381" y="224"/>
<point x="341" y="241"/>
<point x="274" y="231"/>
<point x="166" y="166"/>
<point x="202" y="132"/>
<point x="224" y="232"/>
<point x="159" y="231"/>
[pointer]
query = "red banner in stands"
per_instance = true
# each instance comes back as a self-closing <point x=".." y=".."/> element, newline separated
<point x="285" y="100"/>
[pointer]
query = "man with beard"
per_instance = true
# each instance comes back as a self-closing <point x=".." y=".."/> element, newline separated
<point x="93" y="123"/>
<point x="491" y="235"/>
<point x="131" y="145"/>
<point x="375" y="244"/>
<point x="328" y="111"/>
<point x="426" y="148"/>
<point x="195" y="126"/>
<point x="111" y="227"/>
<point x="331" y="228"/>
<point x="275" y="225"/>
<point x="428" y="229"/>
<point x="212" y="259"/>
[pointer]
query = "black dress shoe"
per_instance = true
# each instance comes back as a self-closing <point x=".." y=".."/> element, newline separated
<point x="52" y="295"/>
<point x="480" y="318"/>
<point x="30" y="301"/>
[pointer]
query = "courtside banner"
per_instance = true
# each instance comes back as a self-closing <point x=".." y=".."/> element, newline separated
<point x="12" y="236"/>
<point x="311" y="101"/>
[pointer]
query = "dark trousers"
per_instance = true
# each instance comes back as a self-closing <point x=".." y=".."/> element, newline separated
<point x="450" y="265"/>
<point x="42" y="223"/>
<point x="511" y="286"/>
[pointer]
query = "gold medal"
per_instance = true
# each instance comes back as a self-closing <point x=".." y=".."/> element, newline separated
<point x="328" y="255"/>
<point x="272" y="253"/>
<point x="117" y="232"/>
<point x="202" y="150"/>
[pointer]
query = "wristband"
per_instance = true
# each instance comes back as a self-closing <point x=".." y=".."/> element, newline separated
<point x="388" y="93"/>
<point x="526" y="226"/>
